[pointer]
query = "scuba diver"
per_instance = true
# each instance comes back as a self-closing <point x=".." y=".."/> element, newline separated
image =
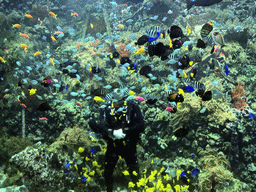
<point x="121" y="123"/>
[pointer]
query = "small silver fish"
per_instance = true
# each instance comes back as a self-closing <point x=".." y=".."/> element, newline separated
<point x="218" y="38"/>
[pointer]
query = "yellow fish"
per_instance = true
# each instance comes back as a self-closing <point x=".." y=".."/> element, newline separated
<point x="37" y="53"/>
<point x="52" y="62"/>
<point x="16" y="25"/>
<point x="2" y="59"/>
<point x="32" y="91"/>
<point x="53" y="38"/>
<point x="180" y="91"/>
<point x="131" y="92"/>
<point x="188" y="30"/>
<point x="53" y="15"/>
<point x="99" y="99"/>
<point x="120" y="26"/>
<point x="28" y="16"/>
<point x="24" y="46"/>
<point x="141" y="51"/>
<point x="91" y="25"/>
<point x="170" y="42"/>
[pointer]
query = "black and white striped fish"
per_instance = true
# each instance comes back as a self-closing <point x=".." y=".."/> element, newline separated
<point x="206" y="30"/>
<point x="152" y="31"/>
<point x="196" y="85"/>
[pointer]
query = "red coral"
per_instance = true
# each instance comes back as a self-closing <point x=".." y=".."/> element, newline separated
<point x="95" y="43"/>
<point x="121" y="49"/>
<point x="237" y="95"/>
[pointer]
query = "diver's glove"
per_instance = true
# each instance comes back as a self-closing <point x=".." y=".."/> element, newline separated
<point x="118" y="134"/>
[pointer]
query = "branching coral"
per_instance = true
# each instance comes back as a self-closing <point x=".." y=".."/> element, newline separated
<point x="121" y="49"/>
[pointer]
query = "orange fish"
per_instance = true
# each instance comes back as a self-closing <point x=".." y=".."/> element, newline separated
<point x="222" y="54"/>
<point x="58" y="33"/>
<point x="25" y="47"/>
<point x="16" y="25"/>
<point x="37" y="53"/>
<point x="53" y="15"/>
<point x="2" y="59"/>
<point x="23" y="105"/>
<point x="5" y="95"/>
<point x="28" y="16"/>
<point x="53" y="38"/>
<point x="78" y="104"/>
<point x="52" y="62"/>
<point x="139" y="98"/>
<point x="42" y="118"/>
<point x="24" y="35"/>
<point x="74" y="14"/>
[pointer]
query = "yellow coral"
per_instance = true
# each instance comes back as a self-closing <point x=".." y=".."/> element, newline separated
<point x="95" y="164"/>
<point x="178" y="172"/>
<point x="32" y="91"/>
<point x="80" y="150"/>
<point x="131" y="185"/>
<point x="168" y="187"/>
<point x="159" y="185"/>
<point x="92" y="173"/>
<point x="135" y="173"/>
<point x="177" y="188"/>
<point x="126" y="172"/>
<point x="142" y="182"/>
<point x="166" y="177"/>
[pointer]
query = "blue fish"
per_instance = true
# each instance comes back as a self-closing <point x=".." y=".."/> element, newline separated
<point x="66" y="90"/>
<point x="68" y="164"/>
<point x="195" y="171"/>
<point x="93" y="151"/>
<point x="183" y="174"/>
<point x="154" y="38"/>
<point x="83" y="179"/>
<point x="136" y="67"/>
<point x="226" y="69"/>
<point x="252" y="115"/>
<point x="155" y="17"/>
<point x="188" y="89"/>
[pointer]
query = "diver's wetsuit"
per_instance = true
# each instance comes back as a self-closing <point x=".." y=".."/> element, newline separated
<point x="126" y="148"/>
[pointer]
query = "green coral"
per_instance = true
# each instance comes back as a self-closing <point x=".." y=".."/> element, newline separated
<point x="11" y="145"/>
<point x="215" y="173"/>
<point x="219" y="111"/>
<point x="187" y="110"/>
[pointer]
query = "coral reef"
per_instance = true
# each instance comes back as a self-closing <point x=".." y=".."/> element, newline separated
<point x="215" y="173"/>
<point x="219" y="111"/>
<point x="121" y="49"/>
<point x="237" y="96"/>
